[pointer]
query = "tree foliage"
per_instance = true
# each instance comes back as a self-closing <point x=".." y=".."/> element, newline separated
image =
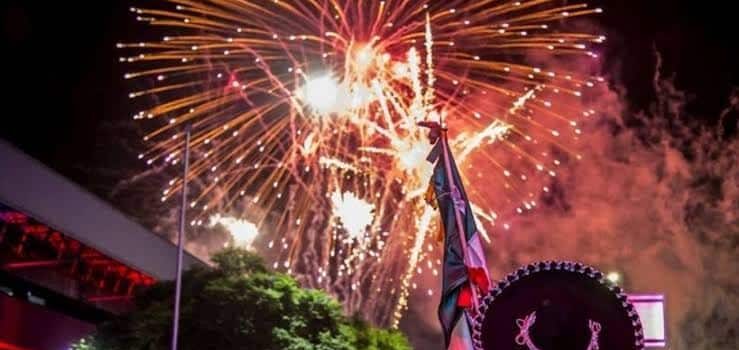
<point x="241" y="305"/>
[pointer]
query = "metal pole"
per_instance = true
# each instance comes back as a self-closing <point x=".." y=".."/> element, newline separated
<point x="180" y="240"/>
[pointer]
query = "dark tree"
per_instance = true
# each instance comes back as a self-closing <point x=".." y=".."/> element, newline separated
<point x="240" y="304"/>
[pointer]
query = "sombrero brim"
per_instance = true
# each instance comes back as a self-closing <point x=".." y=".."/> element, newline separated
<point x="565" y="298"/>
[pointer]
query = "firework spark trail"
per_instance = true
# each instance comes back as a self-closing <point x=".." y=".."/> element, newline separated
<point x="291" y="102"/>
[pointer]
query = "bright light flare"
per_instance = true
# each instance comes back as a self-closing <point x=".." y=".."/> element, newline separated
<point x="322" y="94"/>
<point x="614" y="277"/>
<point x="242" y="232"/>
<point x="364" y="57"/>
<point x="355" y="214"/>
<point x="412" y="157"/>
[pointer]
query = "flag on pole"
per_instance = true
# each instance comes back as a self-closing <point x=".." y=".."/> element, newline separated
<point x="465" y="274"/>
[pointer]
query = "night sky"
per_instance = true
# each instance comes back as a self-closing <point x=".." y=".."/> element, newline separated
<point x="65" y="100"/>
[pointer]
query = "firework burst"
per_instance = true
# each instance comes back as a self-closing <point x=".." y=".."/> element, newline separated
<point x="306" y="111"/>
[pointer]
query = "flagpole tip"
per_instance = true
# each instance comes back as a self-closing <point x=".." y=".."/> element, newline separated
<point x="435" y="130"/>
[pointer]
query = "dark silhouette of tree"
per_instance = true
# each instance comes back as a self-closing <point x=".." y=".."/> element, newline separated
<point x="240" y="304"/>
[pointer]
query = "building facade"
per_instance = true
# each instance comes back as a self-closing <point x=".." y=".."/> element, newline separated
<point x="68" y="260"/>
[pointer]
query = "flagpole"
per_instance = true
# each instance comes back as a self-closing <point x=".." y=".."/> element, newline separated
<point x="460" y="225"/>
<point x="180" y="239"/>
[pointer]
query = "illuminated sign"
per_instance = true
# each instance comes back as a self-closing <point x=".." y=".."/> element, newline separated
<point x="651" y="310"/>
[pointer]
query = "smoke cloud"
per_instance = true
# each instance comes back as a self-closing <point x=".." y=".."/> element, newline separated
<point x="656" y="198"/>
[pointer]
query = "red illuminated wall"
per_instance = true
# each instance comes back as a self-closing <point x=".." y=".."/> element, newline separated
<point x="24" y="326"/>
<point x="72" y="281"/>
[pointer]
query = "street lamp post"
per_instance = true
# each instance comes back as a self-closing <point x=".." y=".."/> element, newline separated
<point x="180" y="239"/>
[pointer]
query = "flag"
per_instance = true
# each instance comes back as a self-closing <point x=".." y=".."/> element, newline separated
<point x="465" y="273"/>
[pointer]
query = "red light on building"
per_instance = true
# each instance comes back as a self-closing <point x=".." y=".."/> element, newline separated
<point x="34" y="251"/>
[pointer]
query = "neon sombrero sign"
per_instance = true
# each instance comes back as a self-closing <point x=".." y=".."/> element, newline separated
<point x="557" y="306"/>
